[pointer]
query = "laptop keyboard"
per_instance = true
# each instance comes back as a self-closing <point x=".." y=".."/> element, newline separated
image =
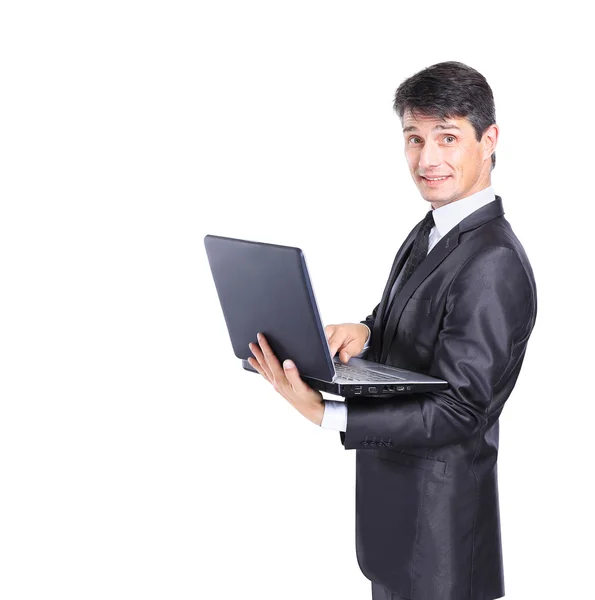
<point x="353" y="374"/>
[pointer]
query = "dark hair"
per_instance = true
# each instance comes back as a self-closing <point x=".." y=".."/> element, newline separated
<point x="449" y="90"/>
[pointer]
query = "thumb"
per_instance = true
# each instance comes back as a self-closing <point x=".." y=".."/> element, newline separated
<point x="344" y="356"/>
<point x="293" y="376"/>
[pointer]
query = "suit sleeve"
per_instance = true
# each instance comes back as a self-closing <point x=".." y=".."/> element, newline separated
<point x="489" y="313"/>
<point x="369" y="320"/>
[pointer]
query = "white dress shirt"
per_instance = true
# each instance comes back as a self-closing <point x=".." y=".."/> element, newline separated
<point x="445" y="218"/>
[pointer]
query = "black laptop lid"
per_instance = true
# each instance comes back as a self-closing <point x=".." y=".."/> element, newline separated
<point x="266" y="288"/>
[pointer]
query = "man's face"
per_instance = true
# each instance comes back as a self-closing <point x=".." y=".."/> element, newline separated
<point x="445" y="160"/>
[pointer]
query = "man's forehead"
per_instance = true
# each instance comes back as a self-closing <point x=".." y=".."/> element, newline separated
<point x="416" y="121"/>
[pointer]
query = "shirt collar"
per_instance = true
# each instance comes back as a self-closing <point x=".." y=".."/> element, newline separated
<point x="448" y="216"/>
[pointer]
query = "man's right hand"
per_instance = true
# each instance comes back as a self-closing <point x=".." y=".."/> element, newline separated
<point x="348" y="339"/>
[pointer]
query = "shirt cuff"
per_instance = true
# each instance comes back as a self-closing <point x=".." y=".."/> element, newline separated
<point x="335" y="415"/>
<point x="367" y="344"/>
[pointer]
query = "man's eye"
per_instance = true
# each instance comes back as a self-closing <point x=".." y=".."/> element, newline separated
<point x="449" y="139"/>
<point x="414" y="140"/>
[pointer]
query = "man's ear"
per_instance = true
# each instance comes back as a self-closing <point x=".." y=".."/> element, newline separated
<point x="489" y="139"/>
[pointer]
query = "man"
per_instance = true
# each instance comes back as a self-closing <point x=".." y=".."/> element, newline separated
<point x="460" y="304"/>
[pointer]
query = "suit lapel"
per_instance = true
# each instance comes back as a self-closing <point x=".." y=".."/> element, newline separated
<point x="442" y="249"/>
<point x="396" y="268"/>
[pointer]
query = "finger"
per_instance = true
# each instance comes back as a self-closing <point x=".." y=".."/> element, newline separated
<point x="344" y="356"/>
<point x="350" y="348"/>
<point x="259" y="356"/>
<point x="254" y="363"/>
<point x="334" y="343"/>
<point x="342" y="345"/>
<point x="329" y="330"/>
<point x="291" y="372"/>
<point x="270" y="357"/>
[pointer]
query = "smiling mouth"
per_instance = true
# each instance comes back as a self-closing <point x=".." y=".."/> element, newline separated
<point x="434" y="181"/>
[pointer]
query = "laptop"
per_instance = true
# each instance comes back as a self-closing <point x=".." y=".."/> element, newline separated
<point x="266" y="288"/>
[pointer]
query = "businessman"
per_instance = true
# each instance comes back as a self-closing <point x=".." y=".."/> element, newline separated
<point x="459" y="304"/>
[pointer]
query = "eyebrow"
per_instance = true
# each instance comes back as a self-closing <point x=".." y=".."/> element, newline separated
<point x="438" y="127"/>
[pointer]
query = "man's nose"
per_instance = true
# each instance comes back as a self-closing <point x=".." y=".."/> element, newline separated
<point x="430" y="156"/>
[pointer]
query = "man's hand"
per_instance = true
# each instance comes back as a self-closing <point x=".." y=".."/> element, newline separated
<point x="348" y="339"/>
<point x="286" y="380"/>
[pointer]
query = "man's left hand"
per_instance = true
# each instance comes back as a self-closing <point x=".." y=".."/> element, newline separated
<point x="287" y="381"/>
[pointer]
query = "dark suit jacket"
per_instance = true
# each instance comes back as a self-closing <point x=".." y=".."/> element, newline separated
<point x="427" y="519"/>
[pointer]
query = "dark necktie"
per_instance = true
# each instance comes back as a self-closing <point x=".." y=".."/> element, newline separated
<point x="418" y="252"/>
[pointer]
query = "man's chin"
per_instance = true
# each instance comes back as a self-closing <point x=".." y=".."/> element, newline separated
<point x="437" y="197"/>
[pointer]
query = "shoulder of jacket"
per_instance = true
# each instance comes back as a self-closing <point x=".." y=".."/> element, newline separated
<point x="493" y="259"/>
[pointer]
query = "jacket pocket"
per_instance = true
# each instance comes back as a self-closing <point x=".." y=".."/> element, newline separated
<point x="412" y="460"/>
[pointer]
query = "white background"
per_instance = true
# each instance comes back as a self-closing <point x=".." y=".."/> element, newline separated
<point x="137" y="459"/>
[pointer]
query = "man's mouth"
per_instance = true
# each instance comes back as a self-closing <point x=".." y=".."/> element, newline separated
<point x="434" y="180"/>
